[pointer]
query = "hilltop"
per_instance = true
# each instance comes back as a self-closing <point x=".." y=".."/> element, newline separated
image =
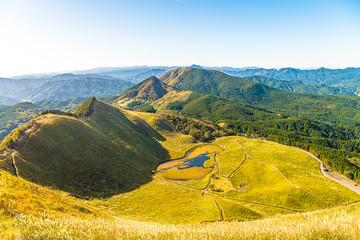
<point x="93" y="156"/>
<point x="148" y="90"/>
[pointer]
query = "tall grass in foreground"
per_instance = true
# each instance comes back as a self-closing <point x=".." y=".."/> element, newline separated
<point x="334" y="224"/>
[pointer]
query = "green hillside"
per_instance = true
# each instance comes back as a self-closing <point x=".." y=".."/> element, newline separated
<point x="252" y="179"/>
<point x="94" y="156"/>
<point x="150" y="89"/>
<point x="301" y="86"/>
<point x="330" y="109"/>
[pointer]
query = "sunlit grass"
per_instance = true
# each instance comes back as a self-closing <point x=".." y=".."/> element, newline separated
<point x="339" y="223"/>
<point x="165" y="209"/>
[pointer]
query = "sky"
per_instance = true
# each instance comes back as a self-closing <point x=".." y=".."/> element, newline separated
<point x="40" y="36"/>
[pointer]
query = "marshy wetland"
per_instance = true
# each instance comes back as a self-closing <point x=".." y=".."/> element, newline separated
<point x="197" y="163"/>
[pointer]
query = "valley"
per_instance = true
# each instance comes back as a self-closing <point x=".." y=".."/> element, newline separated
<point x="165" y="156"/>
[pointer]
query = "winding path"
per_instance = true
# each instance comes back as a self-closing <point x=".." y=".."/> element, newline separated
<point x="335" y="177"/>
<point x="242" y="163"/>
<point x="222" y="214"/>
<point x="282" y="175"/>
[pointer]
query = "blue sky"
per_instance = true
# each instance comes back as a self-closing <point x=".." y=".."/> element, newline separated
<point x="49" y="35"/>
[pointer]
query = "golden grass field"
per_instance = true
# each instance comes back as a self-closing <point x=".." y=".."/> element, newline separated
<point x="255" y="190"/>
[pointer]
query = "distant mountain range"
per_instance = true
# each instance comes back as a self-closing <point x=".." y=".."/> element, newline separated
<point x="59" y="87"/>
<point x="348" y="78"/>
<point x="102" y="82"/>
<point x="301" y="86"/>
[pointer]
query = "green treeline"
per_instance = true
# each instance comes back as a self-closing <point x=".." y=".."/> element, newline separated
<point x="203" y="131"/>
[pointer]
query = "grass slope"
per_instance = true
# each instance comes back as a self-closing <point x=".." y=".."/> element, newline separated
<point x="29" y="211"/>
<point x="278" y="180"/>
<point x="150" y="89"/>
<point x="102" y="155"/>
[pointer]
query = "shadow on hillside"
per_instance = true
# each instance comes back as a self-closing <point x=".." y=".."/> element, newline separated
<point x="95" y="158"/>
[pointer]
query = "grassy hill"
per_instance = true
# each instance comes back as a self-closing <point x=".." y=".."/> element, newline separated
<point x="101" y="155"/>
<point x="330" y="109"/>
<point x="146" y="91"/>
<point x="12" y="117"/>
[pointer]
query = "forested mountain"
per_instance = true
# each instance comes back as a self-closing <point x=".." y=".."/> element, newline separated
<point x="331" y="109"/>
<point x="315" y="75"/>
<point x="82" y="87"/>
<point x="144" y="75"/>
<point x="348" y="78"/>
<point x="301" y="86"/>
<point x="64" y="105"/>
<point x="14" y="116"/>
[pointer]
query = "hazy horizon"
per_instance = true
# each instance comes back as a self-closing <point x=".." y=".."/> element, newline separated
<point x="75" y="71"/>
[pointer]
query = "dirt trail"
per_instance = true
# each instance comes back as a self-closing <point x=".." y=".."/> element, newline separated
<point x="242" y="163"/>
<point x="228" y="198"/>
<point x="205" y="191"/>
<point x="222" y="214"/>
<point x="13" y="163"/>
<point x="335" y="177"/>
